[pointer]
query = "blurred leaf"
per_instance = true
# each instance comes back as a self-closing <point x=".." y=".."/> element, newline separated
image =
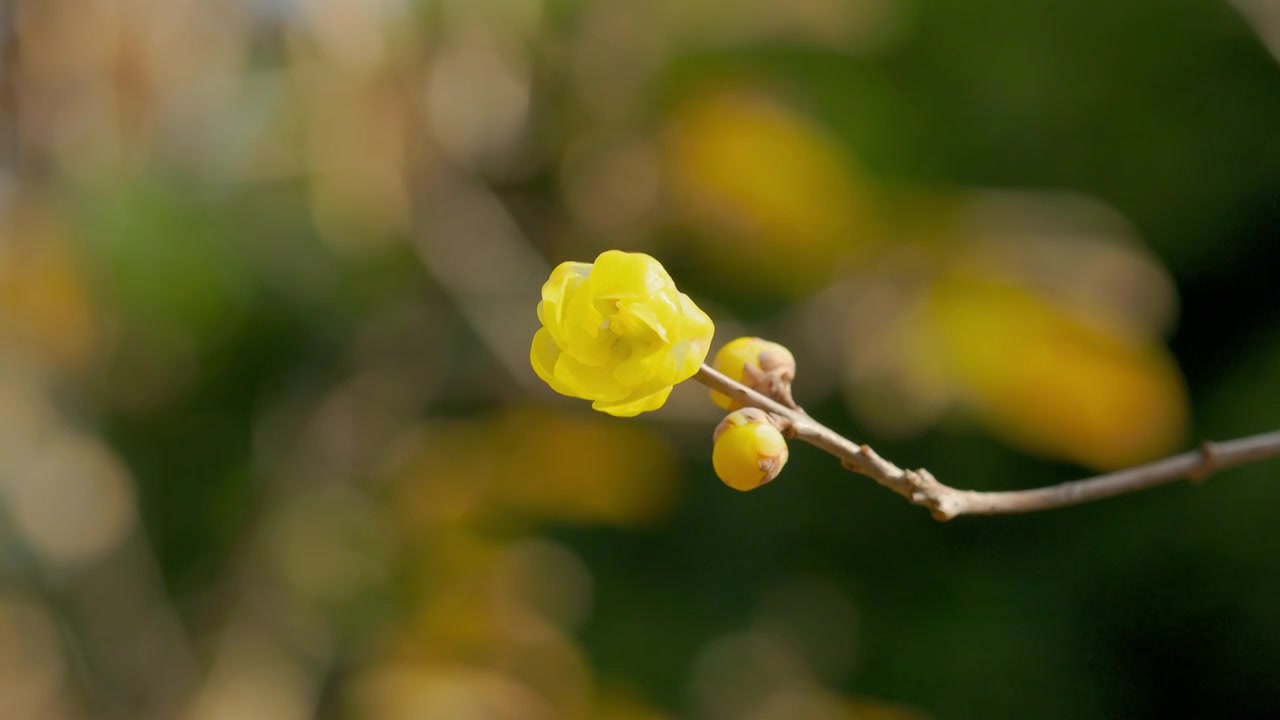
<point x="165" y="256"/>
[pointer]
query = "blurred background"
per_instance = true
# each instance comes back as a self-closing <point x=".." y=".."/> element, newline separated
<point x="270" y="445"/>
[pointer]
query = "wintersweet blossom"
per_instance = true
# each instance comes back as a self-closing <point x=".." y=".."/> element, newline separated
<point x="617" y="332"/>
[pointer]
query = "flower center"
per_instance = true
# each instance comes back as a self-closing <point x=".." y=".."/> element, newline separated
<point x="624" y="324"/>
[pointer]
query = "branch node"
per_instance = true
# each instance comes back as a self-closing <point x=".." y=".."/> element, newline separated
<point x="927" y="492"/>
<point x="774" y="381"/>
<point x="785" y="425"/>
<point x="1208" y="462"/>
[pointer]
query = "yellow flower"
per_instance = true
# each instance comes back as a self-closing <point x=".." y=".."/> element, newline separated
<point x="617" y="332"/>
<point x="760" y="182"/>
<point x="1052" y="379"/>
<point x="749" y="451"/>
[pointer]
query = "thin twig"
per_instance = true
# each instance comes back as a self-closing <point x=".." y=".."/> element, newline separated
<point x="921" y="488"/>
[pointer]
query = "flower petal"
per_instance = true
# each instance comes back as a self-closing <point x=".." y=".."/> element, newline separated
<point x="634" y="318"/>
<point x="619" y="275"/>
<point x="634" y="405"/>
<point x="586" y="338"/>
<point x="589" y="382"/>
<point x="697" y="327"/>
<point x="557" y="292"/>
<point x="566" y="277"/>
<point x="542" y="356"/>
<point x="640" y="363"/>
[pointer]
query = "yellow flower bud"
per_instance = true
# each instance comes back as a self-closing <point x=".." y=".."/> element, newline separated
<point x="617" y="332"/>
<point x="761" y="365"/>
<point x="749" y="451"/>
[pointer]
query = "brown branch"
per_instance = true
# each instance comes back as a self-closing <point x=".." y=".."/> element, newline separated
<point x="921" y="488"/>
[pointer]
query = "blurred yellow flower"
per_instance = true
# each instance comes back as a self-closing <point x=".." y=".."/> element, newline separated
<point x="618" y="333"/>
<point x="619" y="703"/>
<point x="45" y="308"/>
<point x="761" y="181"/>
<point x="1054" y="382"/>
<point x="622" y="474"/>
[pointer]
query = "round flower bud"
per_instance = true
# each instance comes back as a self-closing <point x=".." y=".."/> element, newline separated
<point x="617" y="332"/>
<point x="761" y="365"/>
<point x="749" y="451"/>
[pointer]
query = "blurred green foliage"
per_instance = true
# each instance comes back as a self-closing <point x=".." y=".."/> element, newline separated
<point x="278" y="262"/>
